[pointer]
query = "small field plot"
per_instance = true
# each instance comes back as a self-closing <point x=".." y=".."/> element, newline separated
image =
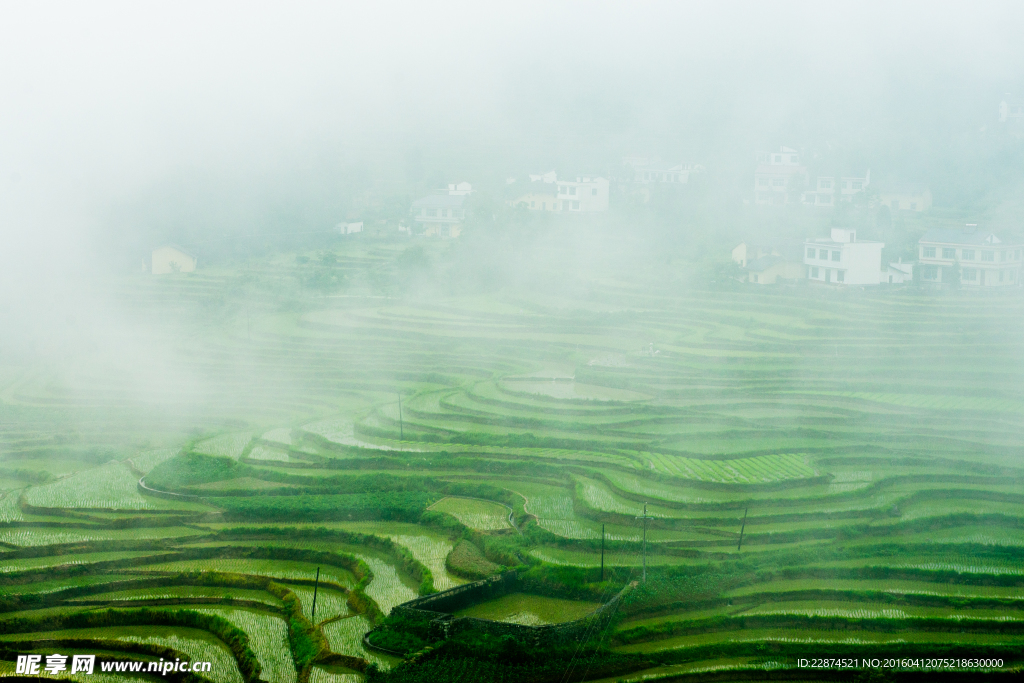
<point x="869" y="610"/>
<point x="579" y="558"/>
<point x="329" y="603"/>
<point x="8" y="669"/>
<point x="760" y="469"/>
<point x="553" y="507"/>
<point x="184" y="593"/>
<point x="320" y="674"/>
<point x="426" y="545"/>
<point x="896" y="587"/>
<point x="342" y="431"/>
<point x="990" y="534"/>
<point x="198" y="644"/>
<point x="9" y="508"/>
<point x="530" y="610"/>
<point x="386" y="588"/>
<point x="941" y="507"/>
<point x="32" y="536"/>
<point x="107" y="486"/>
<point x="222" y="663"/>
<point x="68" y="560"/>
<point x="432" y="552"/>
<point x="703" y="666"/>
<point x="242" y="484"/>
<point x="482" y="515"/>
<point x="52" y="586"/>
<point x="345" y="636"/>
<point x="824" y="638"/>
<point x="598" y="496"/>
<point x="281" y="435"/>
<point x="941" y="402"/>
<point x="962" y="564"/>
<point x="571" y="390"/>
<point x="268" y="638"/>
<point x="147" y="460"/>
<point x="281" y="569"/>
<point x="268" y="454"/>
<point x="226" y="445"/>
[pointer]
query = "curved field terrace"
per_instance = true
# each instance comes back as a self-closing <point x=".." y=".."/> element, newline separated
<point x="821" y="474"/>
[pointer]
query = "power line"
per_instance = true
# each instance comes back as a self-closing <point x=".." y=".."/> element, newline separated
<point x="585" y="638"/>
<point x="645" y="518"/>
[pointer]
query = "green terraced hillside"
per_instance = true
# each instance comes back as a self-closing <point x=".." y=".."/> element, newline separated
<point x="825" y="472"/>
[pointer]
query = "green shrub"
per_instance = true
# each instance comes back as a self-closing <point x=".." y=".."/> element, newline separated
<point x="466" y="560"/>
<point x="404" y="506"/>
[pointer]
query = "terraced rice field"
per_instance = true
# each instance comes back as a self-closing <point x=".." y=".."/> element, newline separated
<point x="198" y="650"/>
<point x="227" y="445"/>
<point x="345" y="636"/>
<point x="432" y="552"/>
<point x="280" y="569"/>
<point x="198" y="645"/>
<point x="530" y="610"/>
<point x="387" y="588"/>
<point x="865" y="445"/>
<point x="476" y="514"/>
<point x="268" y="638"/>
<point x="108" y="486"/>
<point x="329" y="603"/>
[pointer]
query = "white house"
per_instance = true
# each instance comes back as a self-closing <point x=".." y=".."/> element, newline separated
<point x="349" y="228"/>
<point x="980" y="258"/>
<point x="584" y="195"/>
<point x="768" y="264"/>
<point x="441" y="214"/>
<point x="842" y="259"/>
<point x="643" y="170"/>
<point x="460" y="188"/>
<point x="1011" y="109"/>
<point x="172" y="259"/>
<point x="535" y="196"/>
<point x="745" y="252"/>
<point x="778" y="174"/>
<point x="829" y="191"/>
<point x="898" y="273"/>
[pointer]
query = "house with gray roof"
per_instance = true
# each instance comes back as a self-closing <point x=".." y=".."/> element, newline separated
<point x="441" y="214"/>
<point x="970" y="257"/>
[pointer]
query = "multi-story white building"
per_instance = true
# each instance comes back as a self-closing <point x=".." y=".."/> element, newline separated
<point x="460" y="188"/>
<point x="842" y="259"/>
<point x="829" y="191"/>
<point x="778" y="176"/>
<point x="441" y="214"/>
<point x="545" y="192"/>
<point x="535" y="195"/>
<point x="979" y="258"/>
<point x="582" y="195"/>
<point x="644" y="170"/>
<point x="1011" y="109"/>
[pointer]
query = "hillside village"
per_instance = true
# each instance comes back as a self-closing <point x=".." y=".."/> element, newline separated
<point x="832" y="222"/>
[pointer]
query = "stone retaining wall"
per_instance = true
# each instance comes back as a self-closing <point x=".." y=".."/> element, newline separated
<point x="439" y="609"/>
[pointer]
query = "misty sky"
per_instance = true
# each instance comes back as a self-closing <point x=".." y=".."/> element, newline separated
<point x="101" y="103"/>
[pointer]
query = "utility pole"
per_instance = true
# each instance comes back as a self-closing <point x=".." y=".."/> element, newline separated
<point x="742" y="527"/>
<point x="316" y="584"/>
<point x="602" y="552"/>
<point x="645" y="518"/>
<point x="401" y="427"/>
